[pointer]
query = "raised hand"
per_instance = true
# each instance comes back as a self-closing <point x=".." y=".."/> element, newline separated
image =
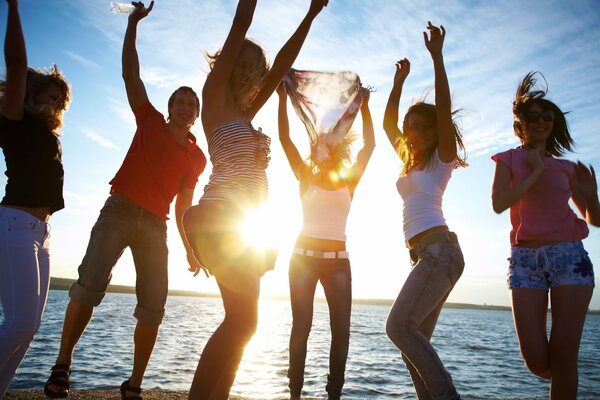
<point x="281" y="90"/>
<point x="316" y="6"/>
<point x="402" y="71"/>
<point x="140" y="11"/>
<point x="365" y="92"/>
<point x="435" y="41"/>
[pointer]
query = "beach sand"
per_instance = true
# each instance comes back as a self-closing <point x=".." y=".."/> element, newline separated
<point x="97" y="395"/>
<point x="106" y="395"/>
<point x="156" y="394"/>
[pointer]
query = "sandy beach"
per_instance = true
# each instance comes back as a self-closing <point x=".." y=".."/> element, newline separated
<point x="147" y="395"/>
<point x="100" y="395"/>
<point x="114" y="394"/>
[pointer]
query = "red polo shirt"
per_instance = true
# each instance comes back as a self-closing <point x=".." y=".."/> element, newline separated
<point x="156" y="167"/>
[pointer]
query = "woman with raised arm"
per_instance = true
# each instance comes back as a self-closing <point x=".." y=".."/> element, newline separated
<point x="547" y="254"/>
<point x="238" y="85"/>
<point x="427" y="146"/>
<point x="32" y="104"/>
<point x="327" y="186"/>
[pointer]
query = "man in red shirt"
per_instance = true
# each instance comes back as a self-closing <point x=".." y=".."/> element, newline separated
<point x="163" y="161"/>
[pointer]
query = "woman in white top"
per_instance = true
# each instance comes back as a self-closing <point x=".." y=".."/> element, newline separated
<point x="320" y="253"/>
<point x="427" y="145"/>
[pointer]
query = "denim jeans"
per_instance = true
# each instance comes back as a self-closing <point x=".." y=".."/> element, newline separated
<point x="24" y="280"/>
<point x="336" y="278"/>
<point x="414" y="314"/>
<point x="122" y="223"/>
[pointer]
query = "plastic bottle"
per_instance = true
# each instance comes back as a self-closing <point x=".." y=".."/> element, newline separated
<point x="121" y="8"/>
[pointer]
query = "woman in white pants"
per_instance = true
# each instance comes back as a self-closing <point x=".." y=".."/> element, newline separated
<point x="32" y="104"/>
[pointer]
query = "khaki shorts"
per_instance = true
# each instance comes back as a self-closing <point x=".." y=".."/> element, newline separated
<point x="121" y="224"/>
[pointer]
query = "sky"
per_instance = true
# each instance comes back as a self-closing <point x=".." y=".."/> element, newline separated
<point x="489" y="47"/>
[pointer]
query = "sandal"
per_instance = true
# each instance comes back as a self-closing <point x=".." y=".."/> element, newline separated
<point x="125" y="387"/>
<point x="59" y="377"/>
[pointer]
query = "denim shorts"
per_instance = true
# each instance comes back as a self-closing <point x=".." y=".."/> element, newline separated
<point x="560" y="264"/>
<point x="121" y="224"/>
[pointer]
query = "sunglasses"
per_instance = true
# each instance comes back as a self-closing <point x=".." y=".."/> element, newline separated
<point x="534" y="116"/>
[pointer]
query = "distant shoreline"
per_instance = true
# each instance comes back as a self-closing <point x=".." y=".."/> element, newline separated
<point x="65" y="284"/>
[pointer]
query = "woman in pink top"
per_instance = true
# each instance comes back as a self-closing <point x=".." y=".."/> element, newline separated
<point x="546" y="250"/>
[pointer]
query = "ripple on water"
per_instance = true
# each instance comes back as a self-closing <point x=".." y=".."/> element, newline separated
<point x="478" y="347"/>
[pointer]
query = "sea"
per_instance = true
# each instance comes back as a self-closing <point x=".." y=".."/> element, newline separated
<point x="478" y="347"/>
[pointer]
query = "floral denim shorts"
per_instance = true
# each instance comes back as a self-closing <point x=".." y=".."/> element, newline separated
<point x="560" y="264"/>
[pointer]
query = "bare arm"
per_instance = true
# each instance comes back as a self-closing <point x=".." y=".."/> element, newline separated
<point x="504" y="195"/>
<point x="182" y="203"/>
<point x="446" y="136"/>
<point x="364" y="154"/>
<point x="585" y="193"/>
<point x="286" y="57"/>
<point x="390" y="117"/>
<point x="136" y="92"/>
<point x="217" y="80"/>
<point x="15" y="55"/>
<point x="291" y="152"/>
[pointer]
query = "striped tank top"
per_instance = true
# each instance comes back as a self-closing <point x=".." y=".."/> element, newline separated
<point x="239" y="155"/>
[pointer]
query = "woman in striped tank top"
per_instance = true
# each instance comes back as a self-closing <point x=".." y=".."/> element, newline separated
<point x="238" y="85"/>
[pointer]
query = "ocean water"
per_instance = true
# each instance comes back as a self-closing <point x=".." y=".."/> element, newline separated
<point x="478" y="347"/>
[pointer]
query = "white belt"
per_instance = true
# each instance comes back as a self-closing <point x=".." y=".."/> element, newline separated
<point x="321" y="254"/>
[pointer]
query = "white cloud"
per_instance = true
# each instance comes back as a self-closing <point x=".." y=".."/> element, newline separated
<point x="101" y="140"/>
<point x="82" y="60"/>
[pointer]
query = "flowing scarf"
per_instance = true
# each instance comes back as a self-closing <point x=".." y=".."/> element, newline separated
<point x="327" y="104"/>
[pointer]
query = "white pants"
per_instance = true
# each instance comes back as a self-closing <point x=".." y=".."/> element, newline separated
<point x="24" y="280"/>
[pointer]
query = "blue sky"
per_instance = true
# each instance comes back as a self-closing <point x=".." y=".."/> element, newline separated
<point x="489" y="48"/>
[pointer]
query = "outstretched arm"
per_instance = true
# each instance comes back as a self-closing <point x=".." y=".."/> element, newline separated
<point x="291" y="152"/>
<point x="130" y="64"/>
<point x="16" y="65"/>
<point x="446" y="135"/>
<point x="390" y="117"/>
<point x="218" y="79"/>
<point x="364" y="154"/>
<point x="286" y="57"/>
<point x="585" y="193"/>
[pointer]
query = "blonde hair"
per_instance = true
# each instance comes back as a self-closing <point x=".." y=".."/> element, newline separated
<point x="343" y="152"/>
<point x="39" y="80"/>
<point x="245" y="81"/>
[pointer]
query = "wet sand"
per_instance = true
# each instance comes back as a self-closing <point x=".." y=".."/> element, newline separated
<point x="105" y="395"/>
<point x="156" y="394"/>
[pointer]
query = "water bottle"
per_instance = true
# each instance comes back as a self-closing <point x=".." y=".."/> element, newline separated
<point x="121" y="8"/>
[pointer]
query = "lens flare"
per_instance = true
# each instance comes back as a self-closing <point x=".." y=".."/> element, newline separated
<point x="258" y="228"/>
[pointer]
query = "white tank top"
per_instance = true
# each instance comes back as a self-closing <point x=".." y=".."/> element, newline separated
<point x="422" y="192"/>
<point x="325" y="212"/>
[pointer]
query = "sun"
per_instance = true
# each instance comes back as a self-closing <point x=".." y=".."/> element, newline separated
<point x="259" y="227"/>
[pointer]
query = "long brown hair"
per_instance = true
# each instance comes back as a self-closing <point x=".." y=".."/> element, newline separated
<point x="404" y="147"/>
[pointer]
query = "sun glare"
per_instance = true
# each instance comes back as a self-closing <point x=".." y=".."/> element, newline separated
<point x="258" y="228"/>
